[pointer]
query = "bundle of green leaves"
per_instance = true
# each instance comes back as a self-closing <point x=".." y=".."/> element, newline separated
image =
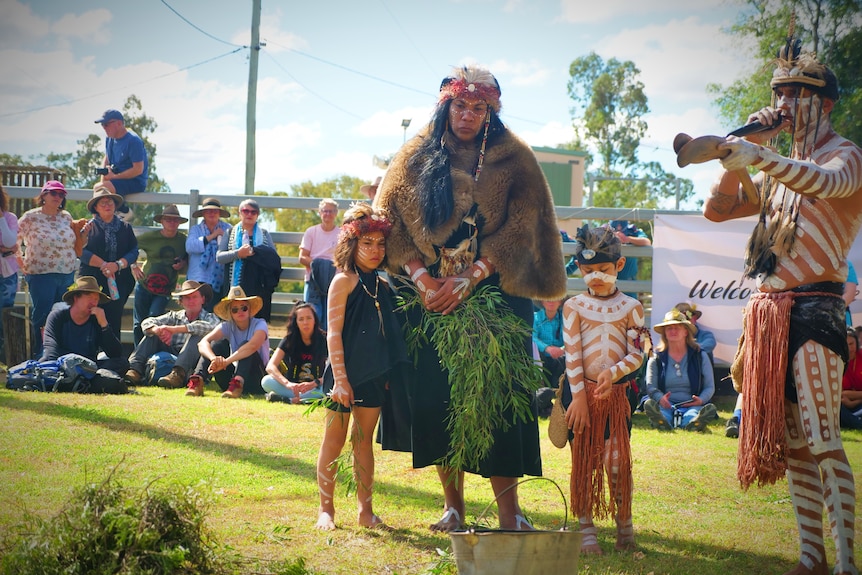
<point x="491" y="375"/>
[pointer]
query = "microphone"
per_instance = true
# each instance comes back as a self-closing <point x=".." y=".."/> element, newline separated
<point x="755" y="127"/>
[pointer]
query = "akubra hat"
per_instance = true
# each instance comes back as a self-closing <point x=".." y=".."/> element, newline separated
<point x="85" y="284"/>
<point x="211" y="204"/>
<point x="170" y="210"/>
<point x="236" y="293"/>
<point x="191" y="286"/>
<point x="101" y="191"/>
<point x="689" y="309"/>
<point x="675" y="317"/>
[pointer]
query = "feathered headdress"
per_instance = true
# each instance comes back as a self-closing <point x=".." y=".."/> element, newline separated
<point x="471" y="82"/>
<point x="794" y="67"/>
<point x="361" y="219"/>
<point x="596" y="245"/>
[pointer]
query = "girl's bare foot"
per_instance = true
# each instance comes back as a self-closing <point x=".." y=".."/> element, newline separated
<point x="325" y="522"/>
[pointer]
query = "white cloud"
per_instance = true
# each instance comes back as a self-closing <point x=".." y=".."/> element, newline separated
<point x="550" y="135"/>
<point x="579" y="12"/>
<point x="678" y="59"/>
<point x="18" y="24"/>
<point x="89" y="26"/>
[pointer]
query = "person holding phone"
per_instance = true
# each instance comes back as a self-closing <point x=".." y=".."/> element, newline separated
<point x="679" y="378"/>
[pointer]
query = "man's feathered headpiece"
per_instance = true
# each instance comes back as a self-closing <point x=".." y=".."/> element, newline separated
<point x="793" y="67"/>
<point x="596" y="245"/>
<point x="471" y="82"/>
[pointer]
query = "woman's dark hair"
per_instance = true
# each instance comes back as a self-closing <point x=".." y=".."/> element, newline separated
<point x="292" y="335"/>
<point x="40" y="201"/>
<point x="431" y="161"/>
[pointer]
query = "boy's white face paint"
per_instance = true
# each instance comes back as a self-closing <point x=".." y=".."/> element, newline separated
<point x="601" y="276"/>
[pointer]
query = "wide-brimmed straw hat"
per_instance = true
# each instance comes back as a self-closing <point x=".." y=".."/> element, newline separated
<point x="211" y="204"/>
<point x="101" y="191"/>
<point x="85" y="284"/>
<point x="191" y="286"/>
<point x="236" y="293"/>
<point x="170" y="210"/>
<point x="689" y="309"/>
<point x="674" y="317"/>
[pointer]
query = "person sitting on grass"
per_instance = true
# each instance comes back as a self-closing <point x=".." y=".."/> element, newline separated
<point x="548" y="337"/>
<point x="679" y="378"/>
<point x="237" y="350"/>
<point x="177" y="332"/>
<point x="302" y="351"/>
<point x="82" y="328"/>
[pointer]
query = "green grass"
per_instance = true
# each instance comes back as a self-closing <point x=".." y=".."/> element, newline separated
<point x="257" y="461"/>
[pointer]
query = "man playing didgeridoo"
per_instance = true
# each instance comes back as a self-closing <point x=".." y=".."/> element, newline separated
<point x="793" y="348"/>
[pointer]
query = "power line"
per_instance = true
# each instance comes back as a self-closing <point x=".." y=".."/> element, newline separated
<point x="408" y="36"/>
<point x="309" y="90"/>
<point x="351" y="70"/>
<point x="204" y="32"/>
<point x="120" y="88"/>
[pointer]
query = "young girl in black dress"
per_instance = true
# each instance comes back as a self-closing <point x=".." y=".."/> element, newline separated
<point x="365" y="344"/>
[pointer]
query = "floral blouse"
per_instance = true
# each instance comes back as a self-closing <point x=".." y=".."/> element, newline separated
<point x="48" y="242"/>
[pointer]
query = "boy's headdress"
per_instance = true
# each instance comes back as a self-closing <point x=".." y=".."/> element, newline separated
<point x="596" y="245"/>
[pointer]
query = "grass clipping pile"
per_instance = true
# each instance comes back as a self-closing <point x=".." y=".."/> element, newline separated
<point x="108" y="529"/>
<point x="491" y="376"/>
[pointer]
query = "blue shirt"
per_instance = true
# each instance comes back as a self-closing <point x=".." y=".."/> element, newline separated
<point x="204" y="269"/>
<point x="125" y="151"/>
<point x="547" y="331"/>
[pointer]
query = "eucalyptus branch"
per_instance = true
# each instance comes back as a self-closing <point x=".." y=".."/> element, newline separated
<point x="491" y="375"/>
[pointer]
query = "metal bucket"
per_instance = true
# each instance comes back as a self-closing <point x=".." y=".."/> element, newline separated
<point x="498" y="552"/>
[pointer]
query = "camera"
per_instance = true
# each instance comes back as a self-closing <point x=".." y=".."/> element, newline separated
<point x="101" y="171"/>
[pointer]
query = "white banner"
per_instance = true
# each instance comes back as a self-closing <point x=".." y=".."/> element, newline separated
<point x="700" y="261"/>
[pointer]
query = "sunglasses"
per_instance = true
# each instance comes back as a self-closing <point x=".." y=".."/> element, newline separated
<point x="239" y="309"/>
<point x="248" y="211"/>
<point x="56" y="193"/>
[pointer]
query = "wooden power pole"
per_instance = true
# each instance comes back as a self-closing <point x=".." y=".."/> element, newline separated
<point x="251" y="104"/>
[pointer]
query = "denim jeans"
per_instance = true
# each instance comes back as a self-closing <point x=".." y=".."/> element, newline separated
<point x="688" y="414"/>
<point x="146" y="305"/>
<point x="8" y="288"/>
<point x="45" y="291"/>
<point x="269" y="383"/>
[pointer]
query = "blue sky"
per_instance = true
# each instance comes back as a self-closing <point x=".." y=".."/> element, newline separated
<point x="337" y="78"/>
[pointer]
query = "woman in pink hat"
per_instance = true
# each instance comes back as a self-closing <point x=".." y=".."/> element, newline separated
<point x="50" y="242"/>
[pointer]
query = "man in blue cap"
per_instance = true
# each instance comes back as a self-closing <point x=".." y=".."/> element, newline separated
<point x="125" y="159"/>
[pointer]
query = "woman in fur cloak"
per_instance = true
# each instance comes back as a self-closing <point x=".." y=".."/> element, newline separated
<point x="470" y="207"/>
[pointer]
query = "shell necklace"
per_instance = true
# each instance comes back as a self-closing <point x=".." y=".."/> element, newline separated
<point x="373" y="296"/>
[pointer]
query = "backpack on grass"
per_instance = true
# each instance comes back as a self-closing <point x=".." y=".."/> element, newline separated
<point x="159" y="365"/>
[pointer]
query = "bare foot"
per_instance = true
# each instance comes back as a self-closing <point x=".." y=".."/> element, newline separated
<point x="374" y="523"/>
<point x="591" y="549"/>
<point x="325" y="522"/>
<point x="625" y="544"/>
<point x="800" y="569"/>
<point x="451" y="521"/>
